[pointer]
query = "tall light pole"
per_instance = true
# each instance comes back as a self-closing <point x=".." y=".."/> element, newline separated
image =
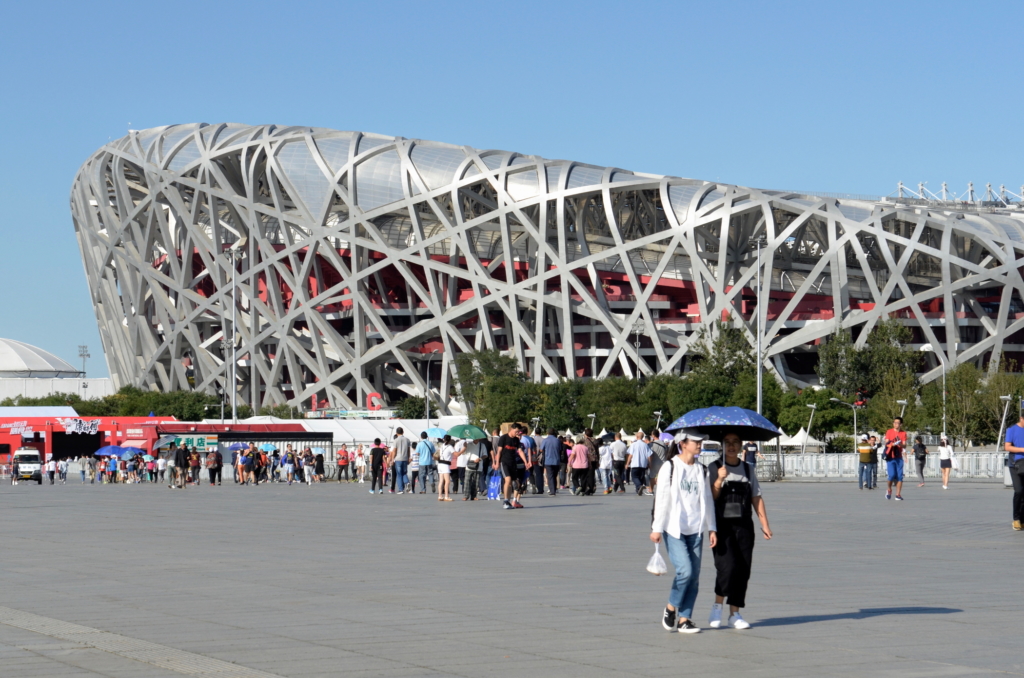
<point x="1002" y="422"/>
<point x="657" y="424"/>
<point x="807" y="433"/>
<point x="854" y="408"/>
<point x="942" y="360"/>
<point x="638" y="328"/>
<point x="592" y="418"/>
<point x="536" y="423"/>
<point x="759" y="332"/>
<point x="426" y="393"/>
<point x="233" y="254"/>
<point x="83" y="353"/>
<point x="903" y="407"/>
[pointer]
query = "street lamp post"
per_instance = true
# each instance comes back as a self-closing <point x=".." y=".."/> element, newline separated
<point x="903" y="407"/>
<point x="942" y="360"/>
<point x="426" y="393"/>
<point x="592" y="418"/>
<point x="1002" y="422"/>
<point x="759" y="332"/>
<point x="657" y="424"/>
<point x="233" y="253"/>
<point x="854" y="408"/>
<point x="807" y="433"/>
<point x="536" y="423"/>
<point x="638" y="328"/>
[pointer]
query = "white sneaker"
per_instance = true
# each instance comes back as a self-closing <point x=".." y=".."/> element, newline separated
<point x="944" y="487"/>
<point x="737" y="622"/>
<point x="715" y="620"/>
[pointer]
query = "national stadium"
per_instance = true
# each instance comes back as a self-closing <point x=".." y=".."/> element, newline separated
<point x="298" y="264"/>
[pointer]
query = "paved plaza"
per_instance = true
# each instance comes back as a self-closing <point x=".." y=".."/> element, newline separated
<point x="139" y="581"/>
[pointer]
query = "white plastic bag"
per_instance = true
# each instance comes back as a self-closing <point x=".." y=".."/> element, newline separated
<point x="955" y="464"/>
<point x="656" y="565"/>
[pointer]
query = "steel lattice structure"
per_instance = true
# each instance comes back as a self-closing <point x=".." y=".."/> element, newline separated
<point x="356" y="256"/>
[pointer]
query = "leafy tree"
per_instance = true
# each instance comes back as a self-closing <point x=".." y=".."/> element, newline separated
<point x="838" y="365"/>
<point x="722" y="351"/>
<point x="885" y="354"/>
<point x="473" y="369"/>
<point x="412" y="407"/>
<point x="616" y="402"/>
<point x="744" y="394"/>
<point x="963" y="402"/>
<point x="562" y="409"/>
<point x="829" y="417"/>
<point x="893" y="385"/>
<point x="279" y="411"/>
<point x="508" y="399"/>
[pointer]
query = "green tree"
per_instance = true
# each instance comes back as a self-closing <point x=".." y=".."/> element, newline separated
<point x="838" y="365"/>
<point x="829" y="418"/>
<point x="744" y="394"/>
<point x="963" y="402"/>
<point x="561" y="408"/>
<point x="411" y="407"/>
<point x="1006" y="381"/>
<point x="894" y="385"/>
<point x="506" y="399"/>
<point x="885" y="354"/>
<point x="723" y="351"/>
<point x="474" y="369"/>
<point x="616" y="402"/>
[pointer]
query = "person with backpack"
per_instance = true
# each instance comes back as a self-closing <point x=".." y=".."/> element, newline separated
<point x="683" y="510"/>
<point x="660" y="453"/>
<point x="737" y="496"/>
<point x="214" y="463"/>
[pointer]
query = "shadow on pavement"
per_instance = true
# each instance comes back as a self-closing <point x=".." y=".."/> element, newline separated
<point x="865" y="613"/>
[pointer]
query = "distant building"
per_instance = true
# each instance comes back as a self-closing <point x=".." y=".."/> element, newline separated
<point x="352" y="268"/>
<point x="30" y="372"/>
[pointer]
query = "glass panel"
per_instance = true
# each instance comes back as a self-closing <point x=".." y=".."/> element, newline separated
<point x="334" y="151"/>
<point x="436" y="165"/>
<point x="366" y="143"/>
<point x="854" y="212"/>
<point x="623" y="176"/>
<point x="494" y="161"/>
<point x="584" y="176"/>
<point x="553" y="172"/>
<point x="379" y="180"/>
<point x="711" y="197"/>
<point x="680" y="197"/>
<point x="523" y="185"/>
<point x="173" y="136"/>
<point x="302" y="172"/>
<point x="188" y="154"/>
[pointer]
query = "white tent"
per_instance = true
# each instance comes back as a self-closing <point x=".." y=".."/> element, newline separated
<point x="799" y="440"/>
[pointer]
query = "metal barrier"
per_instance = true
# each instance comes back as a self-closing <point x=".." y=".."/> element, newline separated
<point x="973" y="466"/>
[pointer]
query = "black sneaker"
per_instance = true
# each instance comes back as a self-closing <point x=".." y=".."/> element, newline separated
<point x="507" y="505"/>
<point x="668" y="620"/>
<point x="687" y="626"/>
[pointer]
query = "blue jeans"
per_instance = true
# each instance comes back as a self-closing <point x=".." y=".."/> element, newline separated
<point x="401" y="471"/>
<point x="639" y="477"/>
<point x="685" y="556"/>
<point x="606" y="477"/>
<point x="873" y="473"/>
<point x="425" y="473"/>
<point x="862" y="475"/>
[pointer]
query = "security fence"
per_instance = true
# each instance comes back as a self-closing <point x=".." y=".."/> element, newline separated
<point x="973" y="466"/>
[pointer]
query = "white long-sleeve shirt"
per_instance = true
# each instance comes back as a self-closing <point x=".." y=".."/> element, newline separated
<point x="683" y="505"/>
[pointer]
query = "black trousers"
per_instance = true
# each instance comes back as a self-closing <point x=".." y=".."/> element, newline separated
<point x="343" y="471"/>
<point x="733" y="555"/>
<point x="376" y="476"/>
<point x="590" y="482"/>
<point x="1017" y="477"/>
<point x="579" y="479"/>
<point x="538" y="478"/>
<point x="619" y="475"/>
<point x="214" y="475"/>
<point x="470" y="483"/>
<point x="552" y="473"/>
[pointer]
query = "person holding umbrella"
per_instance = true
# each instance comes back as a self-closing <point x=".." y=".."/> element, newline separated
<point x="737" y="496"/>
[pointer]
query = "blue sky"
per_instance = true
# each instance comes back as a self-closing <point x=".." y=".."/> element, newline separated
<point x="848" y="97"/>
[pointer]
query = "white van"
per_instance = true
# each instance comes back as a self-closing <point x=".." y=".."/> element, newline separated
<point x="28" y="463"/>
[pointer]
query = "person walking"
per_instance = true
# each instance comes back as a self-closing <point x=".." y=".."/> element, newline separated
<point x="551" y="452"/>
<point x="194" y="466"/>
<point x="920" y="458"/>
<point x="864" y="463"/>
<point x="161" y="468"/>
<point x="510" y="460"/>
<point x="605" y="468"/>
<point x="470" y="461"/>
<point x="361" y="463"/>
<point x="485" y="449"/>
<point x="737" y="496"/>
<point x="895" y="444"/>
<point x="51" y="469"/>
<point x="683" y="510"/>
<point x="377" y="455"/>
<point x="343" y="464"/>
<point x="414" y="471"/>
<point x="443" y="457"/>
<point x="90" y="464"/>
<point x="579" y="462"/>
<point x="214" y="466"/>
<point x="1014" y="445"/>
<point x="945" y="461"/>
<point x="62" y="471"/>
<point x="180" y="466"/>
<point x="637" y="460"/>
<point x="594" y="458"/>
<point x="618" y="450"/>
<point x="425" y="451"/>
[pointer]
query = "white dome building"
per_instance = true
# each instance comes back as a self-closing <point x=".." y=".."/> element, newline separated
<point x="30" y="372"/>
<point x="21" y="360"/>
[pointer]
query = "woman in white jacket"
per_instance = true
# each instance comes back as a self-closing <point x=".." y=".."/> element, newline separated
<point x="683" y="508"/>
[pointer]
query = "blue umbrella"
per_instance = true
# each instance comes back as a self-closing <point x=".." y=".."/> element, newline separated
<point x="267" y="447"/>
<point x="319" y="450"/>
<point x="238" y="446"/>
<point x="436" y="432"/>
<point x="716" y="421"/>
<point x="109" y="451"/>
<point x="129" y="454"/>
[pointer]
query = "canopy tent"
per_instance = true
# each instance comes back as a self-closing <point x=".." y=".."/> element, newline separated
<point x="801" y="439"/>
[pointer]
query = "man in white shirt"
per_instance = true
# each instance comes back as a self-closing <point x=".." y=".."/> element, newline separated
<point x="683" y="508"/>
<point x="618" y="450"/>
<point x="638" y="458"/>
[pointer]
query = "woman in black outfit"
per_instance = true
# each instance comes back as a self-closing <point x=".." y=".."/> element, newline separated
<point x="377" y="454"/>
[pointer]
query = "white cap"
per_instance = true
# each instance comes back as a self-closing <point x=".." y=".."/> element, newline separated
<point x="690" y="434"/>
